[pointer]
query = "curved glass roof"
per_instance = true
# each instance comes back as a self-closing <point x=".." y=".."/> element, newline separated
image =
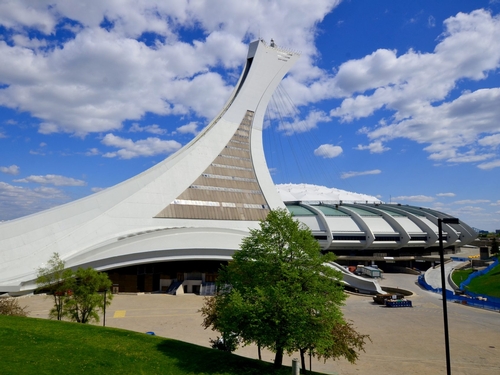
<point x="297" y="210"/>
<point x="390" y="212"/>
<point x="362" y="212"/>
<point x="433" y="212"/>
<point x="415" y="211"/>
<point x="330" y="211"/>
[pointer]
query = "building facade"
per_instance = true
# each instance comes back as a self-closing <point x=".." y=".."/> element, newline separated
<point x="170" y="227"/>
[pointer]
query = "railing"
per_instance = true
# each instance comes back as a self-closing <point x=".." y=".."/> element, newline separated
<point x="173" y="287"/>
<point x="208" y="289"/>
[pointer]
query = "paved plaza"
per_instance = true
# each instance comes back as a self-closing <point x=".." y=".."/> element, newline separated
<point x="404" y="340"/>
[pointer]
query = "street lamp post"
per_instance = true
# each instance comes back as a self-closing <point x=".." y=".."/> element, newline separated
<point x="104" y="312"/>
<point x="446" y="220"/>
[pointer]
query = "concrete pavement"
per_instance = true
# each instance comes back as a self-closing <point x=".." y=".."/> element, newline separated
<point x="433" y="275"/>
<point x="404" y="340"/>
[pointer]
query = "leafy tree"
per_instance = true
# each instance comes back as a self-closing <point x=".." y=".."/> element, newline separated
<point x="279" y="293"/>
<point x="84" y="301"/>
<point x="10" y="306"/>
<point x="347" y="343"/>
<point x="494" y="246"/>
<point x="53" y="278"/>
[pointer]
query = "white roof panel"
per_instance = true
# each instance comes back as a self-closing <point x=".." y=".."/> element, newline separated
<point x="312" y="222"/>
<point x="408" y="225"/>
<point x="342" y="224"/>
<point x="378" y="224"/>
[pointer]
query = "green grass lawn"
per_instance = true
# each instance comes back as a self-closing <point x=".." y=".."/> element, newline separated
<point x="488" y="284"/>
<point x="39" y="346"/>
<point x="459" y="276"/>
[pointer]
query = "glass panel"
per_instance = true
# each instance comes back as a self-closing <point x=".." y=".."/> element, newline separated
<point x="330" y="211"/>
<point x="362" y="212"/>
<point x="299" y="211"/>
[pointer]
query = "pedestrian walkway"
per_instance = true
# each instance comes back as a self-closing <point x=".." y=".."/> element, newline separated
<point x="433" y="275"/>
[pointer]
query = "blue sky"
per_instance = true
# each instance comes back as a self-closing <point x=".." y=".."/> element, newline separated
<point x="395" y="99"/>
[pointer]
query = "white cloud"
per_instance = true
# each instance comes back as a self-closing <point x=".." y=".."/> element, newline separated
<point x="472" y="201"/>
<point x="189" y="128"/>
<point x="445" y="194"/>
<point x="153" y="129"/>
<point x="145" y="147"/>
<point x="497" y="203"/>
<point x="52" y="179"/>
<point x="490" y="165"/>
<point x="431" y="21"/>
<point x="356" y="174"/>
<point x="17" y="14"/>
<point x="301" y="126"/>
<point x="328" y="151"/>
<point x="95" y="80"/>
<point x="491" y="140"/>
<point x="23" y="41"/>
<point x="13" y="170"/>
<point x="415" y="87"/>
<point x="414" y="198"/>
<point x="16" y="201"/>
<point x="468" y="157"/>
<point x="374" y="147"/>
<point x="92" y="152"/>
<point x="97" y="189"/>
<point x="470" y="210"/>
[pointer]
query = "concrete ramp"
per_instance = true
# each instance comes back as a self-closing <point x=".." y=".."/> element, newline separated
<point x="362" y="284"/>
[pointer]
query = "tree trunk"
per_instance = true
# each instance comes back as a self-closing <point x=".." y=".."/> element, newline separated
<point x="258" y="350"/>
<point x="302" y="360"/>
<point x="278" y="358"/>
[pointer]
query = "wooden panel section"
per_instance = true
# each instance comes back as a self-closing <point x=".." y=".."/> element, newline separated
<point x="227" y="189"/>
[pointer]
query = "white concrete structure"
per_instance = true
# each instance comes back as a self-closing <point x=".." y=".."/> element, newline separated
<point x="198" y="204"/>
<point x="343" y="227"/>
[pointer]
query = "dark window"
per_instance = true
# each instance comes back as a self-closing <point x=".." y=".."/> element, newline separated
<point x="386" y="238"/>
<point x="349" y="238"/>
<point x="415" y="238"/>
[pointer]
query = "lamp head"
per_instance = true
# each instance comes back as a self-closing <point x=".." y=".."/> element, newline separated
<point x="450" y="220"/>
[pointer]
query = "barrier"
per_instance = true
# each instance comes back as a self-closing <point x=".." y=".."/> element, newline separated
<point x="398" y="303"/>
<point x="473" y="275"/>
<point x="471" y="299"/>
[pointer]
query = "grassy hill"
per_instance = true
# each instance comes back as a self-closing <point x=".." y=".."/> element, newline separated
<point x="488" y="284"/>
<point x="39" y="346"/>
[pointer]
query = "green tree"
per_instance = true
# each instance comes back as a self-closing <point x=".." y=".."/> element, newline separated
<point x="494" y="246"/>
<point x="84" y="300"/>
<point x="279" y="293"/>
<point x="53" y="278"/>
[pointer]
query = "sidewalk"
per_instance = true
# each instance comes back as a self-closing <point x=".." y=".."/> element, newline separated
<point x="433" y="275"/>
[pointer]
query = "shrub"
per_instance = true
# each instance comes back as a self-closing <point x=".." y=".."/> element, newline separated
<point x="10" y="306"/>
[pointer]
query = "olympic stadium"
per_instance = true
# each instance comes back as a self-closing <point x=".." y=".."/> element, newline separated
<point x="170" y="227"/>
